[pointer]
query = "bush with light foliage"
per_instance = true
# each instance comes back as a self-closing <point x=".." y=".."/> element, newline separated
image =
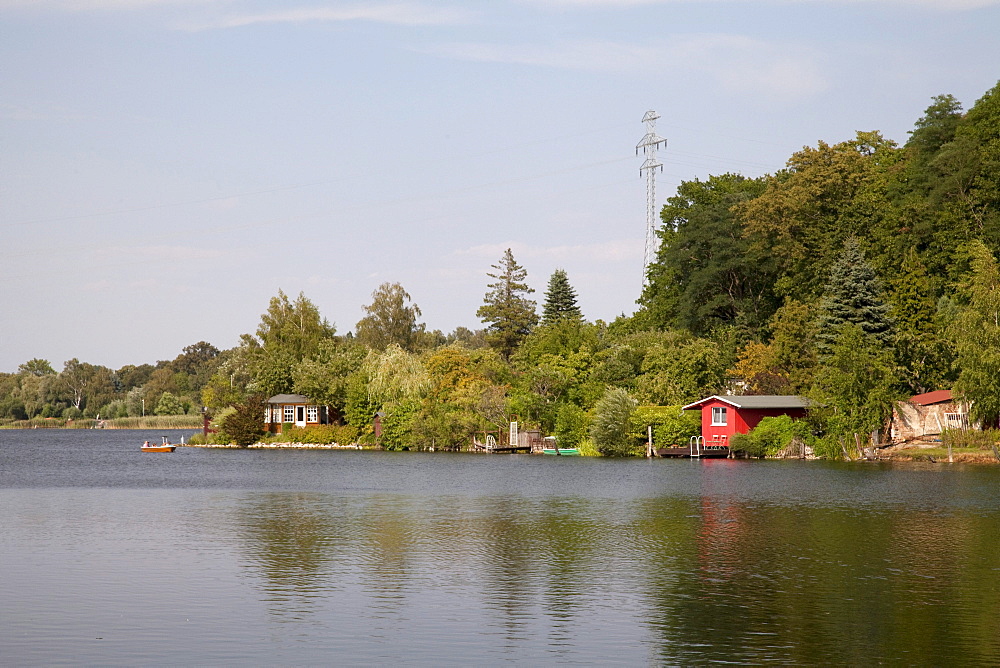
<point x="612" y="426"/>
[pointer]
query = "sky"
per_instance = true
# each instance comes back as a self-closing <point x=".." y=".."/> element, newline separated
<point x="167" y="166"/>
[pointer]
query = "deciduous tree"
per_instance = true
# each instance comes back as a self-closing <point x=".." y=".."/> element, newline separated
<point x="289" y="332"/>
<point x="36" y="367"/>
<point x="391" y="319"/>
<point x="976" y="334"/>
<point x="856" y="384"/>
<point x="807" y="211"/>
<point x="706" y="272"/>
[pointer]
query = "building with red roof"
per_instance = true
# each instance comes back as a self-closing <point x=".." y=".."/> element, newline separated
<point x="927" y="415"/>
<point x="723" y="416"/>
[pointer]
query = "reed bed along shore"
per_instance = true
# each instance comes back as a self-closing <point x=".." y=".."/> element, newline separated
<point x="148" y="422"/>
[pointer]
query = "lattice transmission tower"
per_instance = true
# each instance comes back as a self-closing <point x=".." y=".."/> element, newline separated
<point x="649" y="145"/>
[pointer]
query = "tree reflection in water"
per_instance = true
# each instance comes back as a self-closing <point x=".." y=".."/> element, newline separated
<point x="717" y="572"/>
<point x="291" y="541"/>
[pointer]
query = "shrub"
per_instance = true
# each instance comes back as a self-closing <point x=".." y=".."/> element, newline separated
<point x="830" y="447"/>
<point x="772" y="436"/>
<point x="671" y="425"/>
<point x="245" y="425"/>
<point x="971" y="438"/>
<point x="746" y="444"/>
<point x="571" y="426"/>
<point x="611" y="429"/>
<point x="321" y="434"/>
<point x="588" y="449"/>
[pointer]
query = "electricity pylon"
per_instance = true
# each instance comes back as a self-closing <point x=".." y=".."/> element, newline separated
<point x="649" y="144"/>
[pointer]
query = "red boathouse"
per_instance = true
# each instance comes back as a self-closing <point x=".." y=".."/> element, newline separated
<point x="724" y="416"/>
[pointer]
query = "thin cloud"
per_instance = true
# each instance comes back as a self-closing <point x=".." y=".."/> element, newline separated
<point x="622" y="250"/>
<point x="737" y="62"/>
<point x="939" y="5"/>
<point x="400" y="13"/>
<point x="102" y="5"/>
<point x="158" y="254"/>
<point x="596" y="55"/>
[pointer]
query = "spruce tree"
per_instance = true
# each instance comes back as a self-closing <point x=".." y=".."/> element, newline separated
<point x="560" y="299"/>
<point x="853" y="295"/>
<point x="508" y="313"/>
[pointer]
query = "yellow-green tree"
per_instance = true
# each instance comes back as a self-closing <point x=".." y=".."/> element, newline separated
<point x="391" y="319"/>
<point x="976" y="335"/>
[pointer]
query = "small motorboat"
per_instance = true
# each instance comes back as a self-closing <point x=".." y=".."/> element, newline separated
<point x="162" y="447"/>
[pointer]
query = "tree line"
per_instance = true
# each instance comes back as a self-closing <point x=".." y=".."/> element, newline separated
<point x="863" y="272"/>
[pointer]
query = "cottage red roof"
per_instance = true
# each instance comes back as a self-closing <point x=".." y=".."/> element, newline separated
<point x="928" y="398"/>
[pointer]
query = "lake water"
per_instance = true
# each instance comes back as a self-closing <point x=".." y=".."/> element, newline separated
<point x="111" y="556"/>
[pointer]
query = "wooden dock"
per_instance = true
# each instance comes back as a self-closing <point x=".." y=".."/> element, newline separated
<point x="705" y="451"/>
<point x="512" y="449"/>
<point x="492" y="447"/>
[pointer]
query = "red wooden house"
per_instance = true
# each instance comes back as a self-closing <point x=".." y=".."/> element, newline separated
<point x="724" y="416"/>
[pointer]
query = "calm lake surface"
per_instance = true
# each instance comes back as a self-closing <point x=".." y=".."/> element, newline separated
<point x="111" y="556"/>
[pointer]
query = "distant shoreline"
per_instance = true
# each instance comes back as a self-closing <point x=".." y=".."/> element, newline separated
<point x="150" y="422"/>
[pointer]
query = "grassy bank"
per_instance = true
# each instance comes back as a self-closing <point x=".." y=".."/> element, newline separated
<point x="148" y="422"/>
<point x="940" y="454"/>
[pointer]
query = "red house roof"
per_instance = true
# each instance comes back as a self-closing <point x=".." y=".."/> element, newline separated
<point x="928" y="398"/>
<point x="760" y="401"/>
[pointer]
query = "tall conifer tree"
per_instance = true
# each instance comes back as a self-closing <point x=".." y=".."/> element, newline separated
<point x="508" y="313"/>
<point x="853" y="295"/>
<point x="560" y="299"/>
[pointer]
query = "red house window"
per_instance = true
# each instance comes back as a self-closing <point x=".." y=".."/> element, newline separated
<point x="719" y="417"/>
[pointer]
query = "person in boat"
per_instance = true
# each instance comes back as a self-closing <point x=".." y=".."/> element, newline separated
<point x="146" y="444"/>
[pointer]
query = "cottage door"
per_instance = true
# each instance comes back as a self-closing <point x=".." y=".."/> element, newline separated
<point x="300" y="416"/>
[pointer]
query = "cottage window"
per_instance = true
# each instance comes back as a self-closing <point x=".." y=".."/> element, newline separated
<point x="312" y="414"/>
<point x="719" y="417"/>
<point x="289" y="414"/>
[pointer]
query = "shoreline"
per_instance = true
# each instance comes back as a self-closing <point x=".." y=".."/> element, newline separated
<point x="278" y="446"/>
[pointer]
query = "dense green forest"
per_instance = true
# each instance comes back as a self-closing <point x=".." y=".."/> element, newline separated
<point x="863" y="272"/>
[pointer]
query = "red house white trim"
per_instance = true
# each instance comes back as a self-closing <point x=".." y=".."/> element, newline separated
<point x="724" y="416"/>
